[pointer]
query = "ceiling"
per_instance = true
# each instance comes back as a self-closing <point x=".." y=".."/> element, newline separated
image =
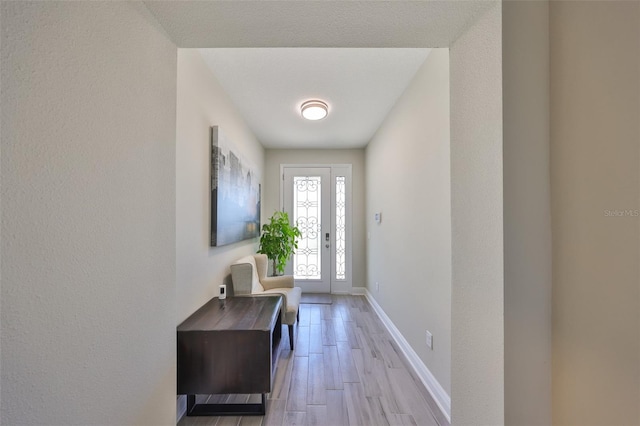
<point x="268" y="86"/>
<point x="358" y="56"/>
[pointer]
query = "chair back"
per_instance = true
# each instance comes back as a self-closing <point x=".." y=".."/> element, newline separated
<point x="244" y="276"/>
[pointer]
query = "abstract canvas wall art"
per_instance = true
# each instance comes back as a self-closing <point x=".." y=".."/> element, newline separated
<point x="235" y="194"/>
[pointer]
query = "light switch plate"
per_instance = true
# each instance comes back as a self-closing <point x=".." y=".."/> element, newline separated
<point x="429" y="340"/>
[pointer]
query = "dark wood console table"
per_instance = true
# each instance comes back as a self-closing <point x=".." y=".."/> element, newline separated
<point x="229" y="346"/>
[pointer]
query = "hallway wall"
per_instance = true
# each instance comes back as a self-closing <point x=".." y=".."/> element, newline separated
<point x="408" y="182"/>
<point x="88" y="215"/>
<point x="527" y="213"/>
<point x="477" y="224"/>
<point x="595" y="200"/>
<point x="202" y="103"/>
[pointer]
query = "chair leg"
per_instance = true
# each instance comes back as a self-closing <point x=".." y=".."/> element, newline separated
<point x="291" y="336"/>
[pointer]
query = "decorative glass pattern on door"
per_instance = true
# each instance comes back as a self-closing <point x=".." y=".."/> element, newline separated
<point x="306" y="215"/>
<point x="341" y="239"/>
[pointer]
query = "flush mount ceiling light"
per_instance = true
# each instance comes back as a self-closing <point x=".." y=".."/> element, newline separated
<point x="314" y="110"/>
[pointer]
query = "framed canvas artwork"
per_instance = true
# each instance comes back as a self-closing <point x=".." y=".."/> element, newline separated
<point x="235" y="194"/>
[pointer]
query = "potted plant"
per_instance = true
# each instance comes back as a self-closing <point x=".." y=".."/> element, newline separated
<point x="279" y="240"/>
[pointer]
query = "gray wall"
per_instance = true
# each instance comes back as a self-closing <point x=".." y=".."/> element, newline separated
<point x="271" y="193"/>
<point x="477" y="307"/>
<point x="527" y="213"/>
<point x="595" y="134"/>
<point x="408" y="180"/>
<point x="88" y="215"/>
<point x="202" y="103"/>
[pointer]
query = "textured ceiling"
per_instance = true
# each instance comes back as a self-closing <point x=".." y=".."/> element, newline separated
<point x="306" y="23"/>
<point x="360" y="85"/>
<point x="269" y="85"/>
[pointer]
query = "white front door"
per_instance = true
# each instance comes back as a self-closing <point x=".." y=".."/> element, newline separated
<point x="318" y="200"/>
<point x="307" y="200"/>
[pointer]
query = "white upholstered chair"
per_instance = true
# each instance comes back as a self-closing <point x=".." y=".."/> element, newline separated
<point x="249" y="276"/>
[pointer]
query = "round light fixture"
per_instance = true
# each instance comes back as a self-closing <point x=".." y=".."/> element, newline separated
<point x="314" y="110"/>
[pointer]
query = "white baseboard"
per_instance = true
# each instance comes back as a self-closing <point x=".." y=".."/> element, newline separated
<point x="436" y="390"/>
<point x="358" y="290"/>
<point x="181" y="407"/>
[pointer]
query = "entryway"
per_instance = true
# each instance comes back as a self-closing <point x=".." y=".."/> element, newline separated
<point x="318" y="199"/>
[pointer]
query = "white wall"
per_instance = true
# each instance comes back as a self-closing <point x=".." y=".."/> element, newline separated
<point x="408" y="181"/>
<point x="527" y="213"/>
<point x="477" y="302"/>
<point x="88" y="215"/>
<point x="275" y="157"/>
<point x="201" y="104"/>
<point x="595" y="134"/>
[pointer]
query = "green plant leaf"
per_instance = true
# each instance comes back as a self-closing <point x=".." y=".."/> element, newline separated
<point x="279" y="240"/>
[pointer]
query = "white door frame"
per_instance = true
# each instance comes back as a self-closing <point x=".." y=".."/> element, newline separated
<point x="337" y="286"/>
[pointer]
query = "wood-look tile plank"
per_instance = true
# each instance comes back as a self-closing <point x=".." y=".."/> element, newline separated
<point x="305" y="315"/>
<point x="198" y="421"/>
<point x="328" y="333"/>
<point x="317" y="415"/>
<point x="332" y="373"/>
<point x="401" y="420"/>
<point x="228" y="421"/>
<point x="255" y="398"/>
<point x="408" y="398"/>
<point x="316" y="388"/>
<point x="302" y="342"/>
<point x="336" y="408"/>
<point x="345" y="313"/>
<point x="377" y="413"/>
<point x="335" y="310"/>
<point x="354" y="301"/>
<point x="315" y="339"/>
<point x="294" y="418"/>
<point x="357" y="406"/>
<point x="368" y="344"/>
<point x="326" y="312"/>
<point x="388" y="399"/>
<point x="360" y="319"/>
<point x="388" y="350"/>
<point x="218" y="399"/>
<point x="339" y="330"/>
<point x="238" y="398"/>
<point x="315" y="314"/>
<point x="352" y="336"/>
<point x="365" y="365"/>
<point x="275" y="412"/>
<point x="347" y="366"/>
<point x="433" y="406"/>
<point x="251" y="420"/>
<point x="297" y="398"/>
<point x="282" y="381"/>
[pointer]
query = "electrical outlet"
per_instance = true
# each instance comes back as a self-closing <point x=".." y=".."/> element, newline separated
<point x="429" y="340"/>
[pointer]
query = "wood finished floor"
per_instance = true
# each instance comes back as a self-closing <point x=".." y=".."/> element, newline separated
<point x="345" y="370"/>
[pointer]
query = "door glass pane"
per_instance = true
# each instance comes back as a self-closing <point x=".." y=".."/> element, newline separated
<point x="340" y="228"/>
<point x="306" y="215"/>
